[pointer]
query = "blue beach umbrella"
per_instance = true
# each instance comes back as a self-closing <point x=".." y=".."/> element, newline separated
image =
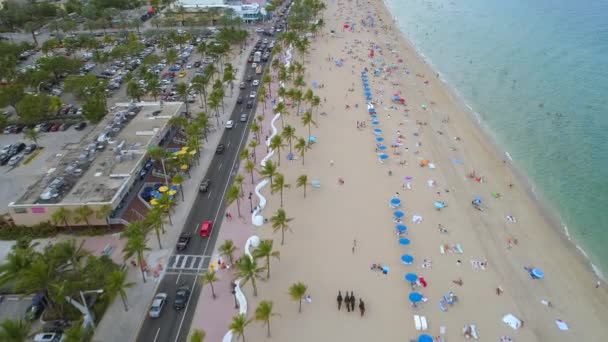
<point x="411" y="277"/>
<point x="404" y="241"/>
<point x="379" y="139"/>
<point x="373" y="116"/>
<point x="369" y="98"/>
<point x="314" y="84"/>
<point x="377" y="130"/>
<point x="536" y="273"/>
<point x="401" y="228"/>
<point x="174" y="187"/>
<point x="382" y="147"/>
<point x="407" y="259"/>
<point x="439" y="205"/>
<point x="375" y="122"/>
<point x="416" y="297"/>
<point x="395" y="201"/>
<point x="383" y="156"/>
<point x="398" y="214"/>
<point x="425" y="338"/>
<point x="312" y="139"/>
<point x="156" y="194"/>
<point x="477" y="201"/>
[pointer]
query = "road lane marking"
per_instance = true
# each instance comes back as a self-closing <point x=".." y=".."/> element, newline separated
<point x="219" y="168"/>
<point x="228" y="145"/>
<point x="156" y="336"/>
<point x="209" y="196"/>
<point x="196" y="228"/>
<point x="179" y="275"/>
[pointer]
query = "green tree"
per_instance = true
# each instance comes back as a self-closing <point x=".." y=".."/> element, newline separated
<point x="280" y="222"/>
<point x="182" y="91"/>
<point x="33" y="108"/>
<point x="247" y="269"/>
<point x="238" y="325"/>
<point x="178" y="180"/>
<point x="253" y="144"/>
<point x="238" y="180"/>
<point x="11" y="94"/>
<point x="154" y="220"/>
<point x="136" y="244"/>
<point x="265" y="250"/>
<point x="302" y="182"/>
<point x="116" y="284"/>
<point x="94" y="109"/>
<point x="269" y="170"/>
<point x="104" y="213"/>
<point x="280" y="185"/>
<point x="307" y="120"/>
<point x="33" y="135"/>
<point x="297" y="291"/>
<point x="289" y="133"/>
<point x="227" y="250"/>
<point x="82" y="214"/>
<point x="134" y="91"/>
<point x="14" y="330"/>
<point x="264" y="312"/>
<point x="210" y="277"/>
<point x="276" y="143"/>
<point x="154" y="88"/>
<point x="250" y="167"/>
<point x="197" y="336"/>
<point x="59" y="65"/>
<point x="76" y="333"/>
<point x="234" y="194"/>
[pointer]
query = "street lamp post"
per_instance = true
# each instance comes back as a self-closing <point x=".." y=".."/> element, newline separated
<point x="84" y="308"/>
<point x="236" y="304"/>
<point x="251" y="202"/>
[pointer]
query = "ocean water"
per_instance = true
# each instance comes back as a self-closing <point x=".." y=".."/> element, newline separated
<point x="535" y="73"/>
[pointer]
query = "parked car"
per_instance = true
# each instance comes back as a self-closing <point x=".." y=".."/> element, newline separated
<point x="256" y="83"/>
<point x="244" y="117"/>
<point x="157" y="305"/>
<point x="15" y="160"/>
<point x="80" y="126"/>
<point x="205" y="184"/>
<point x="65" y="126"/>
<point x="229" y="124"/>
<point x="250" y="104"/>
<point x="239" y="100"/>
<point x="34" y="312"/>
<point x="206" y="228"/>
<point x="54" y="127"/>
<point x="48" y="337"/>
<point x="181" y="297"/>
<point x="242" y="85"/>
<point x="220" y="149"/>
<point x="182" y="241"/>
<point x="30" y="148"/>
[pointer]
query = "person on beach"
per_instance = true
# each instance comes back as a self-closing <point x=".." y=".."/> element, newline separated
<point x="352" y="301"/>
<point x="339" y="299"/>
<point x="361" y="307"/>
<point x="347" y="301"/>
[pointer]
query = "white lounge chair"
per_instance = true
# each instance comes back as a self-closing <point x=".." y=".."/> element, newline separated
<point x="423" y="322"/>
<point x="417" y="322"/>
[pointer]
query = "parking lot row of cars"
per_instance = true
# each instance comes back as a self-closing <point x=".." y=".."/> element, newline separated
<point x="13" y="154"/>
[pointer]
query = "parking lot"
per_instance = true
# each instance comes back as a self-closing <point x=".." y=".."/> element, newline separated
<point x="16" y="179"/>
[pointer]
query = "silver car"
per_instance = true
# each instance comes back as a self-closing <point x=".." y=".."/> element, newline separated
<point x="157" y="305"/>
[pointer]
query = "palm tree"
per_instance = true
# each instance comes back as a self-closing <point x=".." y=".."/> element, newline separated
<point x="154" y="220"/>
<point x="238" y="180"/>
<point x="82" y="214"/>
<point x="265" y="250"/>
<point x="154" y="88"/>
<point x="264" y="312"/>
<point x="165" y="204"/>
<point x="297" y="291"/>
<point x="182" y="91"/>
<point x="14" y="330"/>
<point x="262" y="98"/>
<point x="33" y="135"/>
<point x="267" y="79"/>
<point x="289" y="133"/>
<point x="74" y="334"/>
<point x="257" y="130"/>
<point x="250" y="167"/>
<point x="197" y="336"/>
<point x="61" y="215"/>
<point x="276" y="143"/>
<point x="116" y="283"/>
<point x="234" y="194"/>
<point x="280" y="222"/>
<point x="104" y="212"/>
<point x="301" y="147"/>
<point x="136" y="246"/>
<point x="244" y="154"/>
<point x="210" y="277"/>
<point x="248" y="270"/>
<point x="134" y="91"/>
<point x="307" y="120"/>
<point x="178" y="180"/>
<point x="280" y="109"/>
<point x="269" y="170"/>
<point x="239" y="322"/>
<point x="301" y="182"/>
<point x="69" y="251"/>
<point x="227" y="250"/>
<point x="253" y="144"/>
<point x="159" y="153"/>
<point x="279" y="185"/>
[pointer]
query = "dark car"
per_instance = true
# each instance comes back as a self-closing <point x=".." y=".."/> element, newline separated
<point x="65" y="126"/>
<point x="197" y="64"/>
<point x="182" y="242"/>
<point x="249" y="78"/>
<point x="4" y="158"/>
<point x="220" y="149"/>
<point x="239" y="100"/>
<point x="250" y="104"/>
<point x="45" y="127"/>
<point x="181" y="297"/>
<point x="205" y="184"/>
<point x="242" y="85"/>
<point x="30" y="148"/>
<point x="80" y="126"/>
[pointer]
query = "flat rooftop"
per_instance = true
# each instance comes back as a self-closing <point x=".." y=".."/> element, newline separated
<point x="105" y="160"/>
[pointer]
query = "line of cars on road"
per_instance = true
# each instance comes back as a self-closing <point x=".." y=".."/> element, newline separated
<point x="182" y="295"/>
<point x="13" y="154"/>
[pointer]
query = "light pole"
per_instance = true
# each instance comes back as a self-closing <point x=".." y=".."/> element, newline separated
<point x="84" y="308"/>
<point x="236" y="304"/>
<point x="251" y="202"/>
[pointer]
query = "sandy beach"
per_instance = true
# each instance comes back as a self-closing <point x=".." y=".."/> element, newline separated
<point x="497" y="243"/>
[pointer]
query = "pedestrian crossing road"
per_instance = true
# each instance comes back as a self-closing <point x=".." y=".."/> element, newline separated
<point x="182" y="263"/>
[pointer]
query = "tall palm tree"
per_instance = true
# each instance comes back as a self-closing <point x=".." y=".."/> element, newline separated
<point x="210" y="277"/>
<point x="104" y="213"/>
<point x="159" y="153"/>
<point x="178" y="180"/>
<point x="165" y="204"/>
<point x="71" y="252"/>
<point x="244" y="154"/>
<point x="76" y="333"/>
<point x="197" y="336"/>
<point x="61" y="215"/>
<point x="289" y="133"/>
<point x="262" y="98"/>
<point x="154" y="220"/>
<point x="82" y="214"/>
<point x="297" y="291"/>
<point x="255" y="127"/>
<point x="264" y="313"/>
<point x="238" y="180"/>
<point x="238" y="325"/>
<point x="301" y="182"/>
<point x="279" y="185"/>
<point x="267" y="79"/>
<point x="248" y="270"/>
<point x="276" y="143"/>
<point x="269" y="170"/>
<point x="116" y="283"/>
<point x="182" y="91"/>
<point x="253" y="144"/>
<point x="136" y="246"/>
<point x="265" y="250"/>
<point x="281" y="109"/>
<point x="307" y="120"/>
<point x="301" y="146"/>
<point x="14" y="330"/>
<point x="234" y="194"/>
<point x="250" y="167"/>
<point x="227" y="250"/>
<point x="280" y="222"/>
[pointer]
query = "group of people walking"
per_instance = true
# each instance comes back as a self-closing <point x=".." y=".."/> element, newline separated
<point x="349" y="301"/>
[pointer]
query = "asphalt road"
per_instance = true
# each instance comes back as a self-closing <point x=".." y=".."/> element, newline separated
<point x="184" y="266"/>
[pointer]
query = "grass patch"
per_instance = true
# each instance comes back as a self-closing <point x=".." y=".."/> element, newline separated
<point x="32" y="156"/>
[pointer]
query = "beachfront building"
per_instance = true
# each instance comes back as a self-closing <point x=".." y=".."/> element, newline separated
<point x="248" y="12"/>
<point x="101" y="170"/>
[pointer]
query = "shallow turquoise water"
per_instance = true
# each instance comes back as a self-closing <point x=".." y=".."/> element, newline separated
<point x="535" y="72"/>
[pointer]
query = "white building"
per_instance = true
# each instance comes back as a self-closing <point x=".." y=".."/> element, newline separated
<point x="248" y="12"/>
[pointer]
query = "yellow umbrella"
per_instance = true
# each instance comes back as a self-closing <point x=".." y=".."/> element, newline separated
<point x="185" y="148"/>
<point x="171" y="192"/>
<point x="192" y="152"/>
<point x="154" y="201"/>
<point x="180" y="153"/>
<point x="163" y="188"/>
<point x="184" y="167"/>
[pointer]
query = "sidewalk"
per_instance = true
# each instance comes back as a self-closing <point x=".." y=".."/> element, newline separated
<point x="118" y="325"/>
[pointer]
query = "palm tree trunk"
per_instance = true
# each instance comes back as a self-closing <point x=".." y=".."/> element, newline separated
<point x="268" y="326"/>
<point x="268" y="267"/>
<point x="281" y="197"/>
<point x="252" y="181"/>
<point x="124" y="302"/>
<point x="158" y="238"/>
<point x="255" y="288"/>
<point x="212" y="289"/>
<point x="282" y="236"/>
<point x="143" y="275"/>
<point x="300" y="309"/>
<point x="304" y="190"/>
<point x="238" y="207"/>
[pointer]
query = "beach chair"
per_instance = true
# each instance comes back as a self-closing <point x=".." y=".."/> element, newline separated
<point x="442" y="306"/>
<point x="423" y="323"/>
<point x="315" y="183"/>
<point x="417" y="322"/>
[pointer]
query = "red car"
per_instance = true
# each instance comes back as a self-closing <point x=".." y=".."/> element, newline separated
<point x="55" y="127"/>
<point x="206" y="228"/>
